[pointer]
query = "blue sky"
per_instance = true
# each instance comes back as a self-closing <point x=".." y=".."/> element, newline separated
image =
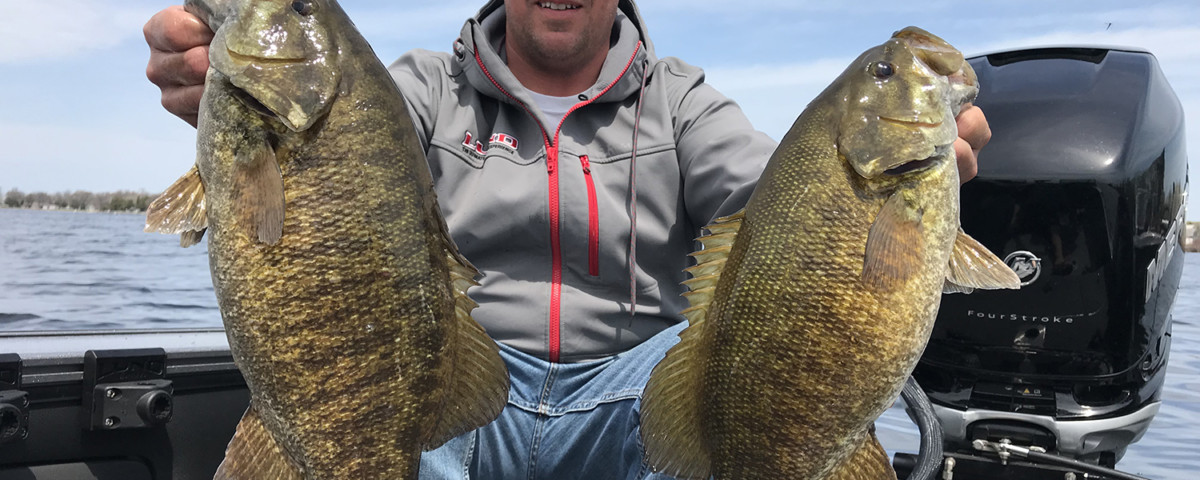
<point x="76" y="111"/>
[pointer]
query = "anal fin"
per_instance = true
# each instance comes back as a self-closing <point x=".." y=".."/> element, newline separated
<point x="254" y="455"/>
<point x="868" y="462"/>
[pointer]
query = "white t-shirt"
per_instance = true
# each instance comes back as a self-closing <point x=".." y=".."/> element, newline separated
<point x="553" y="108"/>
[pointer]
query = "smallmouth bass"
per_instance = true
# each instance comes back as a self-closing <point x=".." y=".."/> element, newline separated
<point x="343" y="296"/>
<point x="810" y="308"/>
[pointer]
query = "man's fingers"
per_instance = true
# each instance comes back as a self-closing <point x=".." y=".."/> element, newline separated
<point x="968" y="165"/>
<point x="175" y="30"/>
<point x="973" y="127"/>
<point x="973" y="134"/>
<point x="178" y="48"/>
<point x="183" y="102"/>
<point x="178" y="63"/>
<point x="171" y="69"/>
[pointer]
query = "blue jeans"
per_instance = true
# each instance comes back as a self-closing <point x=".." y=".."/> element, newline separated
<point x="563" y="421"/>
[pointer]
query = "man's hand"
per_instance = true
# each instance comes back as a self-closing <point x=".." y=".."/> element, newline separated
<point x="178" y="63"/>
<point x="973" y="134"/>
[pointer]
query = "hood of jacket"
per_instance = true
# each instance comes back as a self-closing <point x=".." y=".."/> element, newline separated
<point x="481" y="42"/>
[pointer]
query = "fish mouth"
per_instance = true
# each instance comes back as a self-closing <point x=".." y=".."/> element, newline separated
<point x="243" y="58"/>
<point x="910" y="166"/>
<point x="913" y="123"/>
<point x="918" y="165"/>
<point x="252" y="103"/>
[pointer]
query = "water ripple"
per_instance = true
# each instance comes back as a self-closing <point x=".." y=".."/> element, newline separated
<point x="17" y="317"/>
<point x="70" y="270"/>
<point x="173" y="306"/>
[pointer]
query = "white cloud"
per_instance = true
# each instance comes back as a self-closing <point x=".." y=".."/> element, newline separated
<point x="412" y="22"/>
<point x="808" y="74"/>
<point x="50" y="30"/>
<point x="51" y="158"/>
<point x="1168" y="44"/>
<point x="723" y="7"/>
<point x="774" y="95"/>
<point x="393" y="30"/>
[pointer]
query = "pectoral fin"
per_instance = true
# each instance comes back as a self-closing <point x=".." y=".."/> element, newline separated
<point x="895" y="248"/>
<point x="973" y="266"/>
<point x="260" y="199"/>
<point x="180" y="210"/>
<point x="253" y="454"/>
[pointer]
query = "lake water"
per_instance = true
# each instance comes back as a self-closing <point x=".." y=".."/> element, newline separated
<point x="64" y="270"/>
<point x="71" y="270"/>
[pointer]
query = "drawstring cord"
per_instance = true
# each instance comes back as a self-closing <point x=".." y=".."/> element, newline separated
<point x="637" y="117"/>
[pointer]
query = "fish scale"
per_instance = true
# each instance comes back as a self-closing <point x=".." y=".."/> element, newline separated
<point x="805" y="331"/>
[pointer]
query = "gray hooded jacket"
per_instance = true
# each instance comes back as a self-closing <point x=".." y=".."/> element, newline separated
<point x="547" y="212"/>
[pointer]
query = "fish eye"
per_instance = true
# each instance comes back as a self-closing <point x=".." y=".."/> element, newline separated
<point x="883" y="70"/>
<point x="303" y="7"/>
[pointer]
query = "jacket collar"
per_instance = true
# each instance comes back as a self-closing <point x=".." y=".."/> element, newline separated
<point x="479" y="46"/>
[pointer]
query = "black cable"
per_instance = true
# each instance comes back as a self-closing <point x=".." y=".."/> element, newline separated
<point x="929" y="460"/>
<point x="1086" y="467"/>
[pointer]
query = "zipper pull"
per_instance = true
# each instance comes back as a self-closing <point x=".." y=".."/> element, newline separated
<point x="587" y="166"/>
<point x="551" y="159"/>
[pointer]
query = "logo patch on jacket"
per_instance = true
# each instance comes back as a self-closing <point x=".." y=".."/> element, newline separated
<point x="502" y="140"/>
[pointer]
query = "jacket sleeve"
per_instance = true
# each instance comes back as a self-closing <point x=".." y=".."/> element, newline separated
<point x="421" y="76"/>
<point x="720" y="153"/>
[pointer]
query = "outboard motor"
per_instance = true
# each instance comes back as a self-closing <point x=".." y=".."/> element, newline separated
<point x="1082" y="190"/>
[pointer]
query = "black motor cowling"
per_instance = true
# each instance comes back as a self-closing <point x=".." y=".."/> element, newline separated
<point x="1082" y="191"/>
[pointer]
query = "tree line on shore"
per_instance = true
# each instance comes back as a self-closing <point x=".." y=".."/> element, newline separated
<point x="119" y="201"/>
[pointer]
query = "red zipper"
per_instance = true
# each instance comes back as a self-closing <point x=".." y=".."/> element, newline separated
<point x="555" y="320"/>
<point x="593" y="219"/>
<point x="555" y="253"/>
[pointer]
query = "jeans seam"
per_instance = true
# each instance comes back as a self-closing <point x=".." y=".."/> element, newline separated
<point x="470" y="454"/>
<point x="644" y="467"/>
<point x="540" y="423"/>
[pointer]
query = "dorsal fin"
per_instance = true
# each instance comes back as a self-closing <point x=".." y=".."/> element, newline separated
<point x="672" y="402"/>
<point x="253" y="454"/>
<point x="478" y="380"/>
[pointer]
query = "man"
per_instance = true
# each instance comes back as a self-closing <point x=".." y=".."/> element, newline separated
<point x="574" y="168"/>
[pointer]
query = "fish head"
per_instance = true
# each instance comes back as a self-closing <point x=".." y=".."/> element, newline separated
<point x="281" y="53"/>
<point x="900" y="102"/>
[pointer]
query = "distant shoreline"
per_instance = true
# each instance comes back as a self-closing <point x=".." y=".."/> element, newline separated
<point x="79" y="200"/>
<point x="73" y="210"/>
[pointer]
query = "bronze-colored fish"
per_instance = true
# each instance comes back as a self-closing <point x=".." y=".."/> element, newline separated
<point x="811" y="307"/>
<point x="342" y="293"/>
